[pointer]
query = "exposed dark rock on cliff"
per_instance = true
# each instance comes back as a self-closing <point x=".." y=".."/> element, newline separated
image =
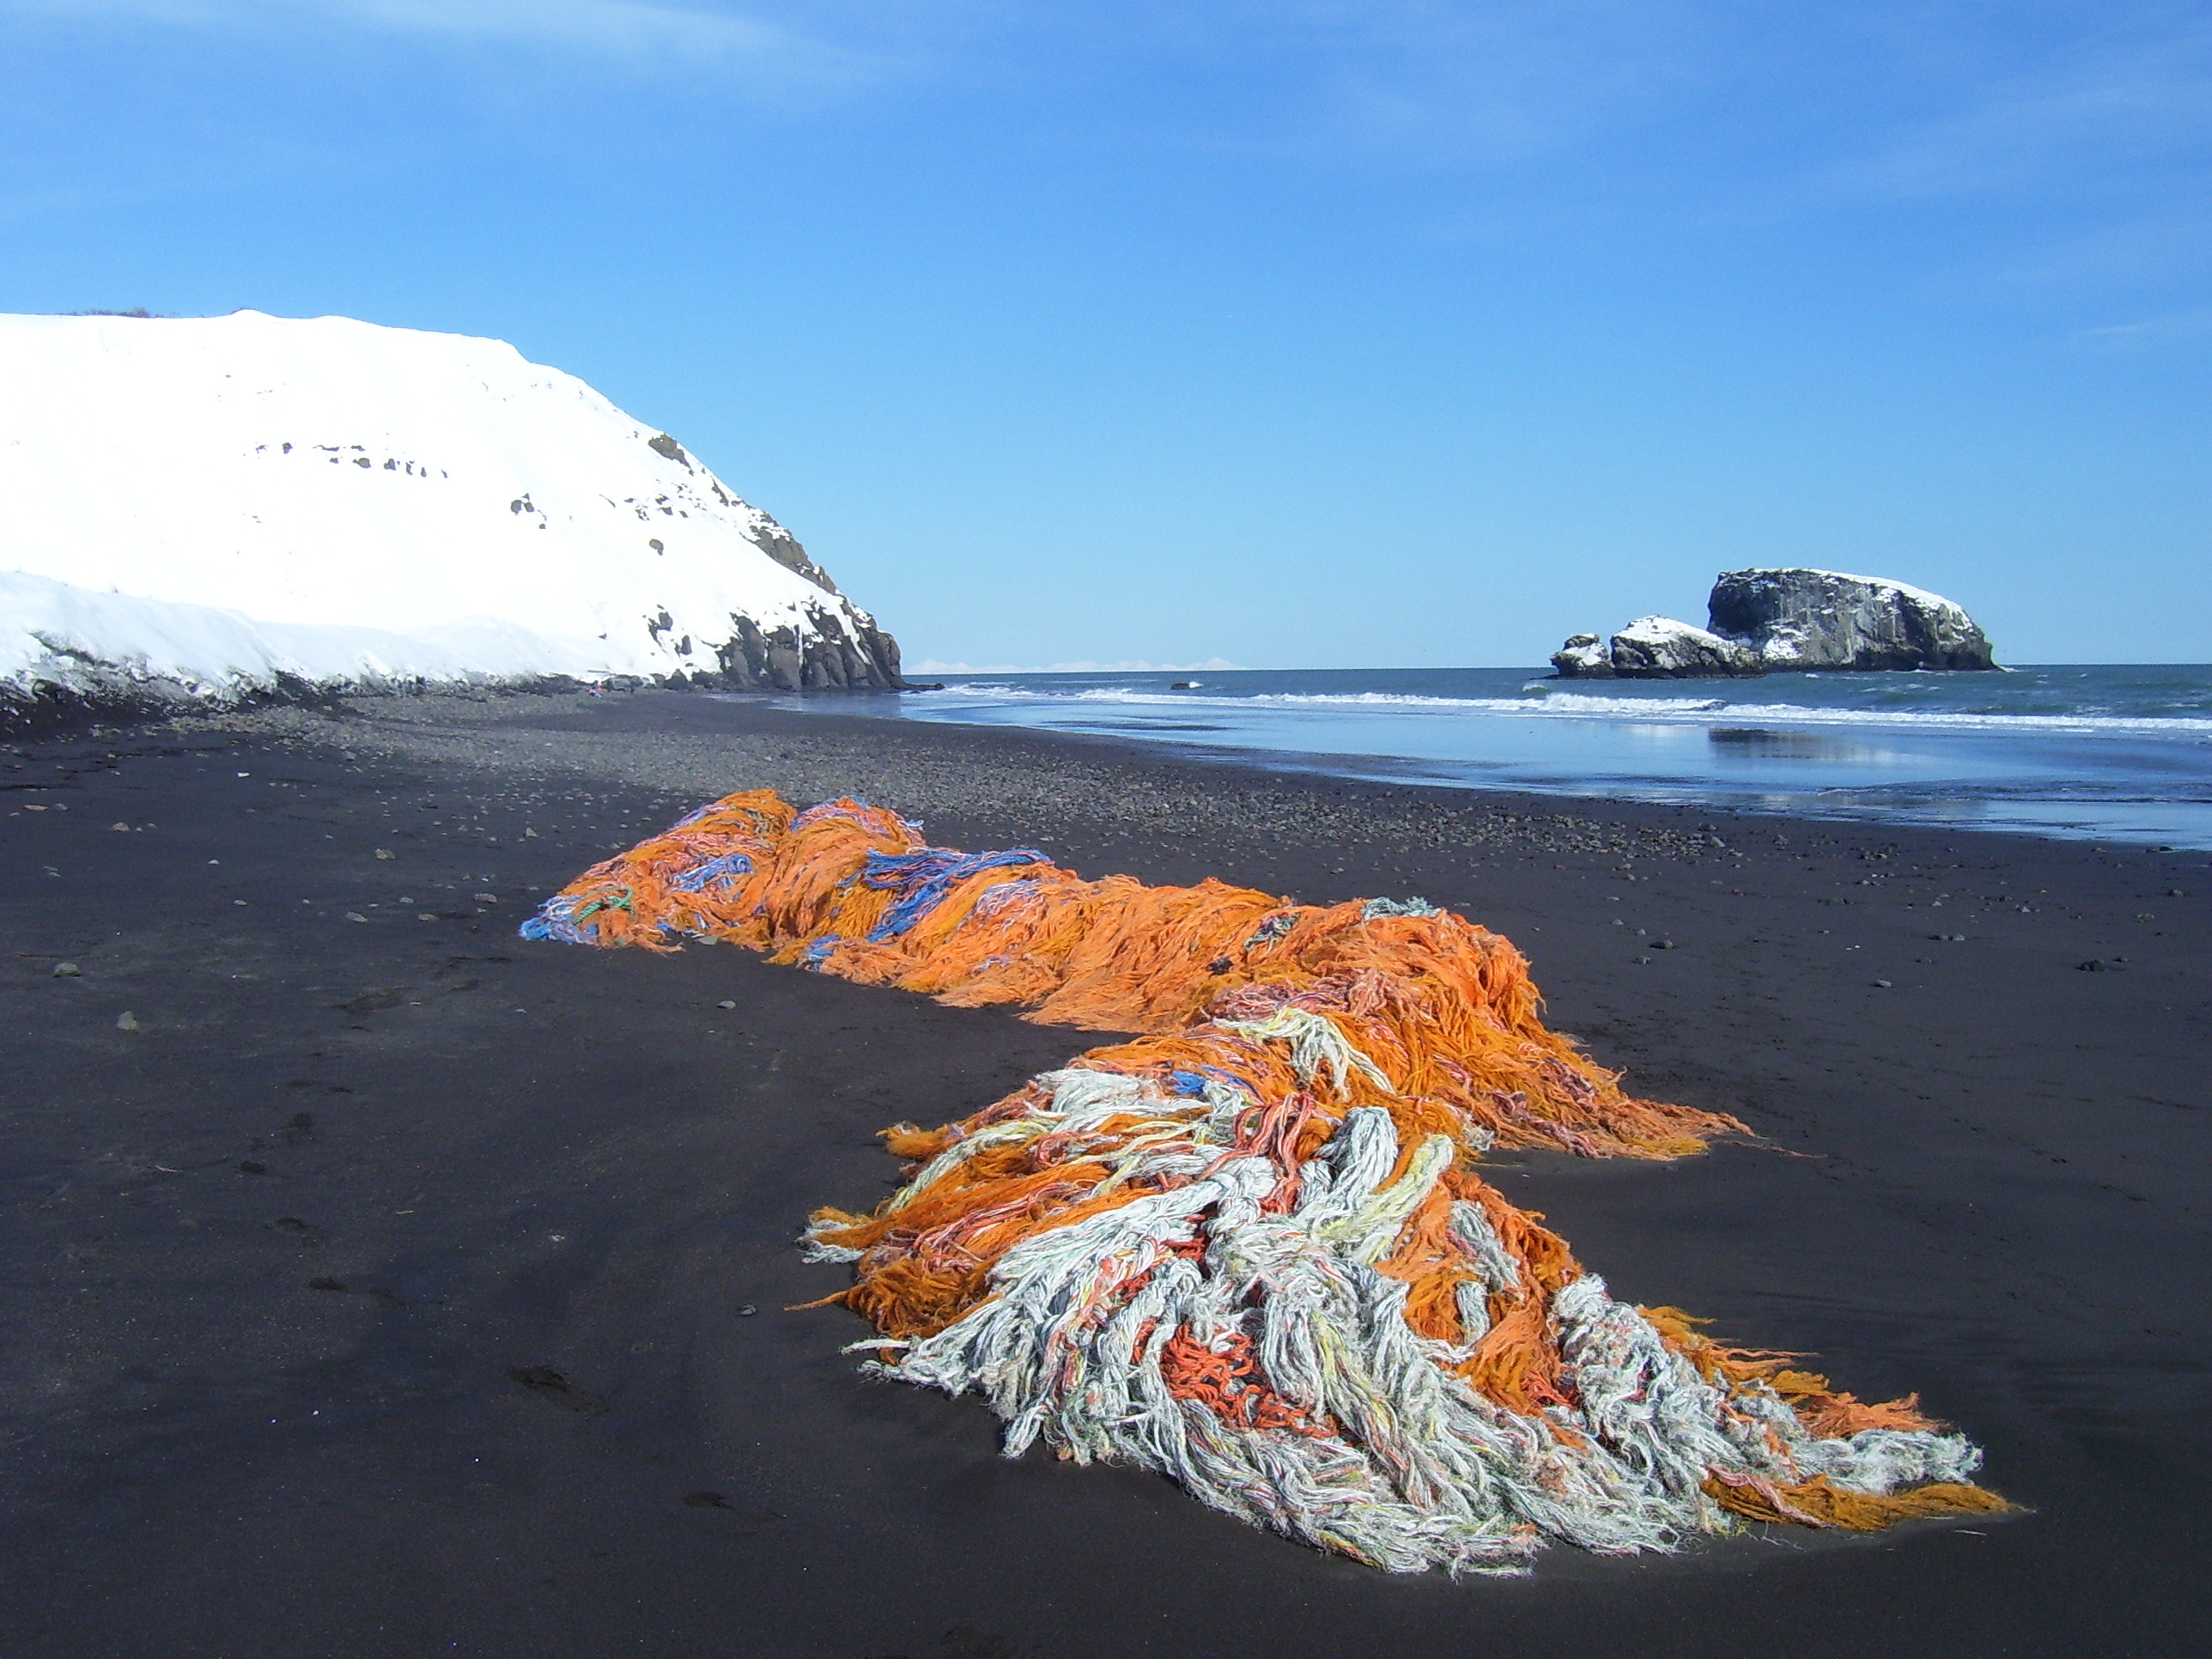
<point x="780" y="545"/>
<point x="863" y="658"/>
<point x="1775" y="620"/>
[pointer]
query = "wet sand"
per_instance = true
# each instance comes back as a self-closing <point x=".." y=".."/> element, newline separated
<point x="397" y="1287"/>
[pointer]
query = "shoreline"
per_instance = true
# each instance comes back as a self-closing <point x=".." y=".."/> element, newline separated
<point x="1997" y="1203"/>
<point x="59" y="712"/>
<point x="2069" y="759"/>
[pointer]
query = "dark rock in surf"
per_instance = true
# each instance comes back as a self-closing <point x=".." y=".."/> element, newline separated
<point x="1583" y="657"/>
<point x="1655" y="649"/>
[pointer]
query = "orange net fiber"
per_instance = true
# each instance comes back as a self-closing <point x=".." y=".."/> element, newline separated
<point x="1251" y="1248"/>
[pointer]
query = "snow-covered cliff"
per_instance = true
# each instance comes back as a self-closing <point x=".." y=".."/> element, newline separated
<point x="210" y="508"/>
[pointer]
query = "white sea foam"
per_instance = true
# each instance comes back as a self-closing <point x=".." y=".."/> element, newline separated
<point x="1545" y="704"/>
<point x="1555" y="704"/>
<point x="1940" y="720"/>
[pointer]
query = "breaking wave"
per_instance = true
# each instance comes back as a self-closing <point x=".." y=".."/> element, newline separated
<point x="1540" y="702"/>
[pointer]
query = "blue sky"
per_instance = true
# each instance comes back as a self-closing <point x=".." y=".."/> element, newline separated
<point x="1292" y="334"/>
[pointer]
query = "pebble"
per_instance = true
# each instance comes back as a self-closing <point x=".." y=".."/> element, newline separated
<point x="67" y="971"/>
<point x="126" y="1021"/>
<point x="459" y="728"/>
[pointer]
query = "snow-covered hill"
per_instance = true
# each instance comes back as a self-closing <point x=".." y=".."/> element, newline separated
<point x="207" y="507"/>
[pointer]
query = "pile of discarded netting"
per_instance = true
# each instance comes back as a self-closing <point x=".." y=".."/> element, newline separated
<point x="1253" y="1250"/>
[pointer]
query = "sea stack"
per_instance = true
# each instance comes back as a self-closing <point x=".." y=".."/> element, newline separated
<point x="1763" y="621"/>
<point x="214" y="509"/>
<point x="1655" y="649"/>
<point x="1821" y="619"/>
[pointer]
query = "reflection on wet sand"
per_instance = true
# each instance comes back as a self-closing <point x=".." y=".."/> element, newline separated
<point x="1141" y="725"/>
<point x="1756" y="743"/>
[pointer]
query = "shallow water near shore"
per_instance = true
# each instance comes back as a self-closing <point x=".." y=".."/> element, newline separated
<point x="2105" y="752"/>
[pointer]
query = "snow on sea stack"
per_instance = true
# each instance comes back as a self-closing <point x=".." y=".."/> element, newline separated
<point x="1770" y="621"/>
<point x="218" y="509"/>
<point x="1656" y="648"/>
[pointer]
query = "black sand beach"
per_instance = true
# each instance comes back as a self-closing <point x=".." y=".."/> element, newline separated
<point x="396" y="1287"/>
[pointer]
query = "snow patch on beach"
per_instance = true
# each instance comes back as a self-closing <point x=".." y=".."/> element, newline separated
<point x="58" y="633"/>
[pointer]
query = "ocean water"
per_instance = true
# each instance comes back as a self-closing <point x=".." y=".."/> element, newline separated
<point x="2117" y="753"/>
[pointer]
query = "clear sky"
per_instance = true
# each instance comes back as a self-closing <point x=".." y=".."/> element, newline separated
<point x="1379" y="332"/>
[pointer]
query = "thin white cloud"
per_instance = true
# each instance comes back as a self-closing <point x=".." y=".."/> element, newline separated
<point x="1437" y="82"/>
<point x="2149" y="246"/>
<point x="631" y="29"/>
<point x="2183" y="327"/>
<point x="1951" y="100"/>
<point x="621" y="24"/>
<point x="1501" y="82"/>
<point x="2077" y="120"/>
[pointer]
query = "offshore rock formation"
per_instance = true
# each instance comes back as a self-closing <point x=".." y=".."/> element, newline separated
<point x="1762" y="620"/>
<point x="1821" y="619"/>
<point x="1655" y="649"/>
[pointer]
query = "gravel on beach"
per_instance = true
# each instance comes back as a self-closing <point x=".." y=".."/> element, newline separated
<point x="382" y="1285"/>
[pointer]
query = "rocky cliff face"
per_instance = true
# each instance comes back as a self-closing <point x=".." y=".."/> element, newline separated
<point x="1764" y="620"/>
<point x="1798" y="618"/>
<point x="825" y="656"/>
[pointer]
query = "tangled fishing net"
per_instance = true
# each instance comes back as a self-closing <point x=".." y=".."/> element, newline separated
<point x="1252" y="1249"/>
